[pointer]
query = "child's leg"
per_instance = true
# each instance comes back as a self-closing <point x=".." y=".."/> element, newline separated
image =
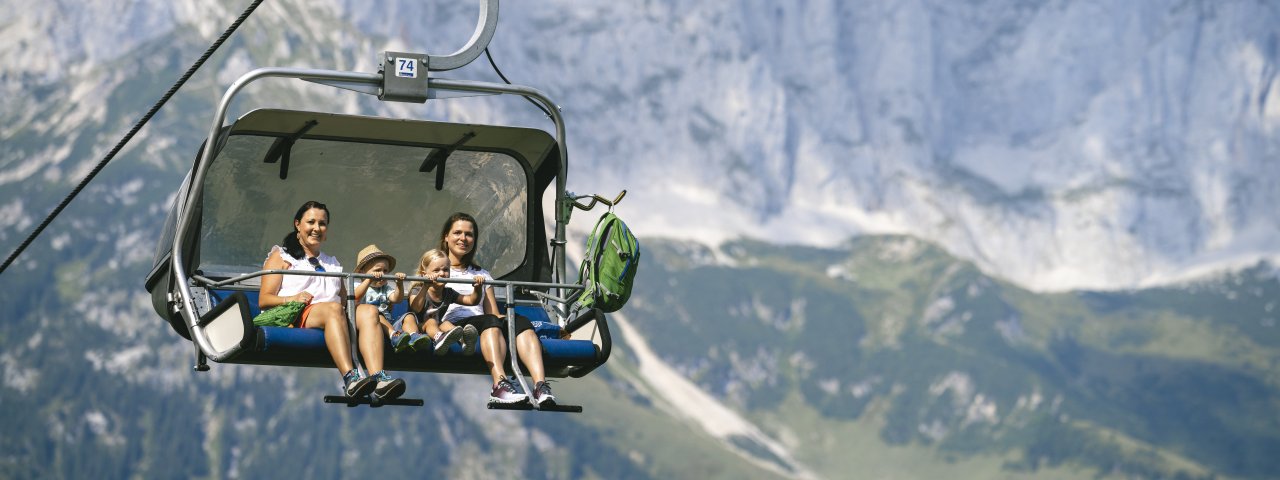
<point x="409" y="323"/>
<point x="391" y="329"/>
<point x="399" y="339"/>
<point x="431" y="327"/>
<point x="446" y="326"/>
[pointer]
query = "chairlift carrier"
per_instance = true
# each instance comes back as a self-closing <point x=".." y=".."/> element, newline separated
<point x="387" y="181"/>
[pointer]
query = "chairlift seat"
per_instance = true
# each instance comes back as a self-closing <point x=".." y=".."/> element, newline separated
<point x="305" y="347"/>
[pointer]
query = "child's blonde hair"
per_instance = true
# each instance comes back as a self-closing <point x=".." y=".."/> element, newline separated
<point x="428" y="257"/>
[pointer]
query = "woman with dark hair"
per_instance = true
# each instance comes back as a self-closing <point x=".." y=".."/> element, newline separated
<point x="322" y="297"/>
<point x="459" y="238"/>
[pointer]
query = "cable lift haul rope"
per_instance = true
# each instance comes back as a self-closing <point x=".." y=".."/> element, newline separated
<point x="129" y="136"/>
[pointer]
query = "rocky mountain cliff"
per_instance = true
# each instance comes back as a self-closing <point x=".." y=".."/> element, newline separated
<point x="1088" y="144"/>
<point x="1011" y="147"/>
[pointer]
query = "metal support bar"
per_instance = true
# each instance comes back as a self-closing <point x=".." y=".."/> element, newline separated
<point x="210" y="283"/>
<point x="511" y="346"/>
<point x="353" y="334"/>
<point x="351" y="402"/>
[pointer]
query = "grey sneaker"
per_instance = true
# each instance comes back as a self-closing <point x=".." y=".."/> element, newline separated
<point x="444" y="340"/>
<point x="400" y="341"/>
<point x="386" y="388"/>
<point x="356" y="386"/>
<point x="542" y="394"/>
<point x="505" y="392"/>
<point x="469" y="337"/>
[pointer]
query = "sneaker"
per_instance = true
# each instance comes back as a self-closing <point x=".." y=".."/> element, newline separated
<point x="446" y="339"/>
<point x="515" y="384"/>
<point x="505" y="392"/>
<point x="469" y="336"/>
<point x="387" y="388"/>
<point x="355" y="385"/>
<point x="542" y="394"/>
<point x="420" y="342"/>
<point x="400" y="341"/>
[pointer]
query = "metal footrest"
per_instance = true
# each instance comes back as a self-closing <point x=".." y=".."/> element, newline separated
<point x="353" y="401"/>
<point x="529" y="406"/>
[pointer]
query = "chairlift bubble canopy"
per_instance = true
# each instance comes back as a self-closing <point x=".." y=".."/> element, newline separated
<point x="387" y="181"/>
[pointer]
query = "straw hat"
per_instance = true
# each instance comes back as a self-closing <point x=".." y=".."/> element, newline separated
<point x="371" y="253"/>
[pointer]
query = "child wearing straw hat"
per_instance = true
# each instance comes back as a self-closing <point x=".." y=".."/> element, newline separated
<point x="382" y="294"/>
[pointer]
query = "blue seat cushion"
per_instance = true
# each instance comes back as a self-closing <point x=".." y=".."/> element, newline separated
<point x="306" y="347"/>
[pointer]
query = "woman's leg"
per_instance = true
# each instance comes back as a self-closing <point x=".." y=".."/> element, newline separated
<point x="328" y="316"/>
<point x="371" y="336"/>
<point x="493" y="347"/>
<point x="530" y="350"/>
<point x="386" y="325"/>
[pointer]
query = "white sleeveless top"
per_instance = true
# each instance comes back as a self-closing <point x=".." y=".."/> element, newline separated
<point x="463" y="311"/>
<point x="322" y="289"/>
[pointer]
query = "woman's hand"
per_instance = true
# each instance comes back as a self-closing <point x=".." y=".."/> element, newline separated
<point x="303" y="297"/>
<point x="478" y="281"/>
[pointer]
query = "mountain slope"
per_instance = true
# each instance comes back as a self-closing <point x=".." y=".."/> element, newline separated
<point x="1111" y="159"/>
<point x="891" y="331"/>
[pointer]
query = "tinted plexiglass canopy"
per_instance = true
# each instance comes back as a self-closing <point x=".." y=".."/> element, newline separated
<point x="370" y="173"/>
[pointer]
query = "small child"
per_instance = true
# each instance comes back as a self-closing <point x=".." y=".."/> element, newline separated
<point x="380" y="293"/>
<point x="435" y="299"/>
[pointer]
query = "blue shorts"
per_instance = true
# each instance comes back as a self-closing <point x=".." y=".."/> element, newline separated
<point x="398" y="325"/>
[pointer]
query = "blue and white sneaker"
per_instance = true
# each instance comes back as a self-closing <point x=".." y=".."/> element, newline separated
<point x="400" y="341"/>
<point x="355" y="385"/>
<point x="386" y="387"/>
<point x="420" y="342"/>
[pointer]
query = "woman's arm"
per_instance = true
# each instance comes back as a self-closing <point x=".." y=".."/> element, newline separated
<point x="270" y="288"/>
<point x="491" y="303"/>
<point x="473" y="298"/>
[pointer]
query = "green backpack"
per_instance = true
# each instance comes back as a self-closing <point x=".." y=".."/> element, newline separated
<point x="609" y="267"/>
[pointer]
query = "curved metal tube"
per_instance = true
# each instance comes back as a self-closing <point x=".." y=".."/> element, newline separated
<point x="485" y="26"/>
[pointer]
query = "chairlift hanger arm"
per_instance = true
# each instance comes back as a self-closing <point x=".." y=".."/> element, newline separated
<point x="396" y="88"/>
<point x="480" y="38"/>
